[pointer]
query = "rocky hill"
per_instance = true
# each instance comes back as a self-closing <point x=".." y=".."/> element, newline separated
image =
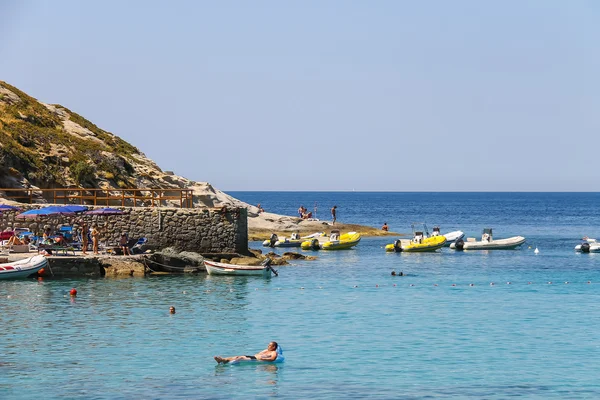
<point x="49" y="146"/>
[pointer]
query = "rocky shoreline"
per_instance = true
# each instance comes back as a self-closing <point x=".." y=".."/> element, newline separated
<point x="261" y="226"/>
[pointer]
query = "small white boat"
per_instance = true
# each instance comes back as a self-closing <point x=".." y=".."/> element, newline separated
<point x="588" y="246"/>
<point x="23" y="268"/>
<point x="293" y="241"/>
<point x="265" y="270"/>
<point x="487" y="242"/>
<point x="451" y="237"/>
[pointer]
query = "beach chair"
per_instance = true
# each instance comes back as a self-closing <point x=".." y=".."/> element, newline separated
<point x="67" y="232"/>
<point x="137" y="248"/>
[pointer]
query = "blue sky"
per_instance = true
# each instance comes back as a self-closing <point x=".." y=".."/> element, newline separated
<point x="327" y="95"/>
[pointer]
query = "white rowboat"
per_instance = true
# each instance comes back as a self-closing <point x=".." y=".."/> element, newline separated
<point x="216" y="268"/>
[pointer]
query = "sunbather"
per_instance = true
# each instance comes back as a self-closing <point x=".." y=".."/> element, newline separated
<point x="269" y="354"/>
<point x="14" y="241"/>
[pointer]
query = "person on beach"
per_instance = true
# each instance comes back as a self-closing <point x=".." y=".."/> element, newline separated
<point x="385" y="227"/>
<point x="95" y="237"/>
<point x="333" y="214"/>
<point x="301" y="211"/>
<point x="14" y="240"/>
<point x="84" y="238"/>
<point x="60" y="241"/>
<point x="123" y="244"/>
<point x="47" y="234"/>
<point x="269" y="354"/>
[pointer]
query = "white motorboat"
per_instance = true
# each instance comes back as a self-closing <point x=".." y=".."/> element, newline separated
<point x="22" y="268"/>
<point x="215" y="268"/>
<point x="451" y="237"/>
<point x="588" y="246"/>
<point x="293" y="241"/>
<point x="487" y="242"/>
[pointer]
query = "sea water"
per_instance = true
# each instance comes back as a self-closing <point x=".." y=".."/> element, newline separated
<point x="480" y="324"/>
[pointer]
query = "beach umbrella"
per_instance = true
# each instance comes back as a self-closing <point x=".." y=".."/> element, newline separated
<point x="45" y="212"/>
<point x="74" y="208"/>
<point x="6" y="207"/>
<point x="105" y="211"/>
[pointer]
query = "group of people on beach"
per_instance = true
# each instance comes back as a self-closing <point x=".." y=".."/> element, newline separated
<point x="304" y="213"/>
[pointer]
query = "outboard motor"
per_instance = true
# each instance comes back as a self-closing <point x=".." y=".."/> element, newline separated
<point x="397" y="246"/>
<point x="459" y="245"/>
<point x="585" y="247"/>
<point x="273" y="239"/>
<point x="314" y="244"/>
<point x="267" y="262"/>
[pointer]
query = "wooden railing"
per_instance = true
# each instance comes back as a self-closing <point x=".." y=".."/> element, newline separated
<point x="105" y="197"/>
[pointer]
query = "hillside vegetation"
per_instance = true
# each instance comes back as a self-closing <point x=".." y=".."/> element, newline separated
<point x="48" y="146"/>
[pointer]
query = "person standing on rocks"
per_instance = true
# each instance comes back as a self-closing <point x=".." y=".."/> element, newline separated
<point x="333" y="214"/>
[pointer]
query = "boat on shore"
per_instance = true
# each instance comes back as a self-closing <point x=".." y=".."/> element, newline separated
<point x="487" y="242"/>
<point x="23" y="268"/>
<point x="265" y="270"/>
<point x="588" y="246"/>
<point x="421" y="241"/>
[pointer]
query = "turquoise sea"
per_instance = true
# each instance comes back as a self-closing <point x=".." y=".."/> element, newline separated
<point x="481" y="325"/>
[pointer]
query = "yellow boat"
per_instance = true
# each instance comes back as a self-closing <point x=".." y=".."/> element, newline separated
<point x="335" y="242"/>
<point x="421" y="242"/>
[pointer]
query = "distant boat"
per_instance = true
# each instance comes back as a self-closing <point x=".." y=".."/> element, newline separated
<point x="487" y="242"/>
<point x="293" y="241"/>
<point x="334" y="242"/>
<point x="421" y="241"/>
<point x="451" y="237"/>
<point x="588" y="246"/>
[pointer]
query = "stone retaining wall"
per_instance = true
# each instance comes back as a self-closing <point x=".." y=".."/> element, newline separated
<point x="201" y="230"/>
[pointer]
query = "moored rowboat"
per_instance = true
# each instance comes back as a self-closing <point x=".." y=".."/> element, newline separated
<point x="215" y="268"/>
<point x="22" y="268"/>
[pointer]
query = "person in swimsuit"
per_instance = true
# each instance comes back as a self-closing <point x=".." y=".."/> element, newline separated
<point x="269" y="354"/>
<point x="95" y="237"/>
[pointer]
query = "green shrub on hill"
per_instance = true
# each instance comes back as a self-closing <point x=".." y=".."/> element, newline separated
<point x="35" y="141"/>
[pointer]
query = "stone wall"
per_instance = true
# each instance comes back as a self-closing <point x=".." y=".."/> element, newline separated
<point x="201" y="230"/>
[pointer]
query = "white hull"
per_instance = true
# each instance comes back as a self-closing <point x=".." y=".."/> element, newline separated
<point x="22" y="268"/>
<point x="594" y="248"/>
<point x="500" y="244"/>
<point x="215" y="268"/>
<point x="453" y="236"/>
<point x="286" y="242"/>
